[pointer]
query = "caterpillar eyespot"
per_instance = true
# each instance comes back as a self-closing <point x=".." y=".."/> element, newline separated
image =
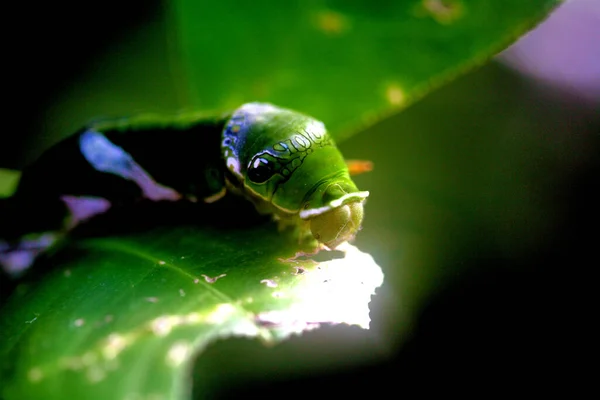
<point x="260" y="170"/>
<point x="281" y="160"/>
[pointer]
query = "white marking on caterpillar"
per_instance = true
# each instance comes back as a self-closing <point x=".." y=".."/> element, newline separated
<point x="256" y="110"/>
<point x="306" y="214"/>
<point x="338" y="202"/>
<point x="316" y="130"/>
<point x="233" y="165"/>
<point x="105" y="156"/>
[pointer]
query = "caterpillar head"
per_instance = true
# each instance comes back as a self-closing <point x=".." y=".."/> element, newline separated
<point x="335" y="212"/>
<point x="286" y="162"/>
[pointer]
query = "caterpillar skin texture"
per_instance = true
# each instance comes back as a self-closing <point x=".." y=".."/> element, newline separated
<point x="283" y="161"/>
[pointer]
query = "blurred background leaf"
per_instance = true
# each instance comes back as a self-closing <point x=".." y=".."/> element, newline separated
<point x="346" y="62"/>
<point x="8" y="181"/>
<point x="167" y="56"/>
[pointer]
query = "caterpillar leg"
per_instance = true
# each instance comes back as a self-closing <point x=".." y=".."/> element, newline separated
<point x="298" y="228"/>
<point x="217" y="196"/>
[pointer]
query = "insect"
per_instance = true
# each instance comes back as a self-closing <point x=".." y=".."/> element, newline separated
<point x="282" y="161"/>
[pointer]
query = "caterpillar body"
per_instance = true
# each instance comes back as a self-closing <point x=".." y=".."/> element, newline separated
<point x="283" y="161"/>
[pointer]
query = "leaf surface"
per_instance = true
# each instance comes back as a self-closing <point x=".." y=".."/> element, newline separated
<point x="346" y="62"/>
<point x="122" y="316"/>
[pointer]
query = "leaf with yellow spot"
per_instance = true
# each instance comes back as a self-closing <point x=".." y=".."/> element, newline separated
<point x="349" y="63"/>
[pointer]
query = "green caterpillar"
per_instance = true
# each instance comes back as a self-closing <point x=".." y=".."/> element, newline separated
<point x="283" y="161"/>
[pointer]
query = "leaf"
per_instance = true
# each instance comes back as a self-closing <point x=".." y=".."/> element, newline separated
<point x="125" y="315"/>
<point x="8" y="181"/>
<point x="346" y="62"/>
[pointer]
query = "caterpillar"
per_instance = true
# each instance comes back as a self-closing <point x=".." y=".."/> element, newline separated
<point x="281" y="160"/>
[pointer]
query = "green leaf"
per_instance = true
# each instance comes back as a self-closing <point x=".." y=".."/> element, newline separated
<point x="347" y="62"/>
<point x="124" y="316"/>
<point x="8" y="181"/>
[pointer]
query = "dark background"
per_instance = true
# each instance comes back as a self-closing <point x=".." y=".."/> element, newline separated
<point x="56" y="47"/>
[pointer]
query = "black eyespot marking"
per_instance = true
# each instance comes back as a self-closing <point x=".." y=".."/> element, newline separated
<point x="260" y="170"/>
